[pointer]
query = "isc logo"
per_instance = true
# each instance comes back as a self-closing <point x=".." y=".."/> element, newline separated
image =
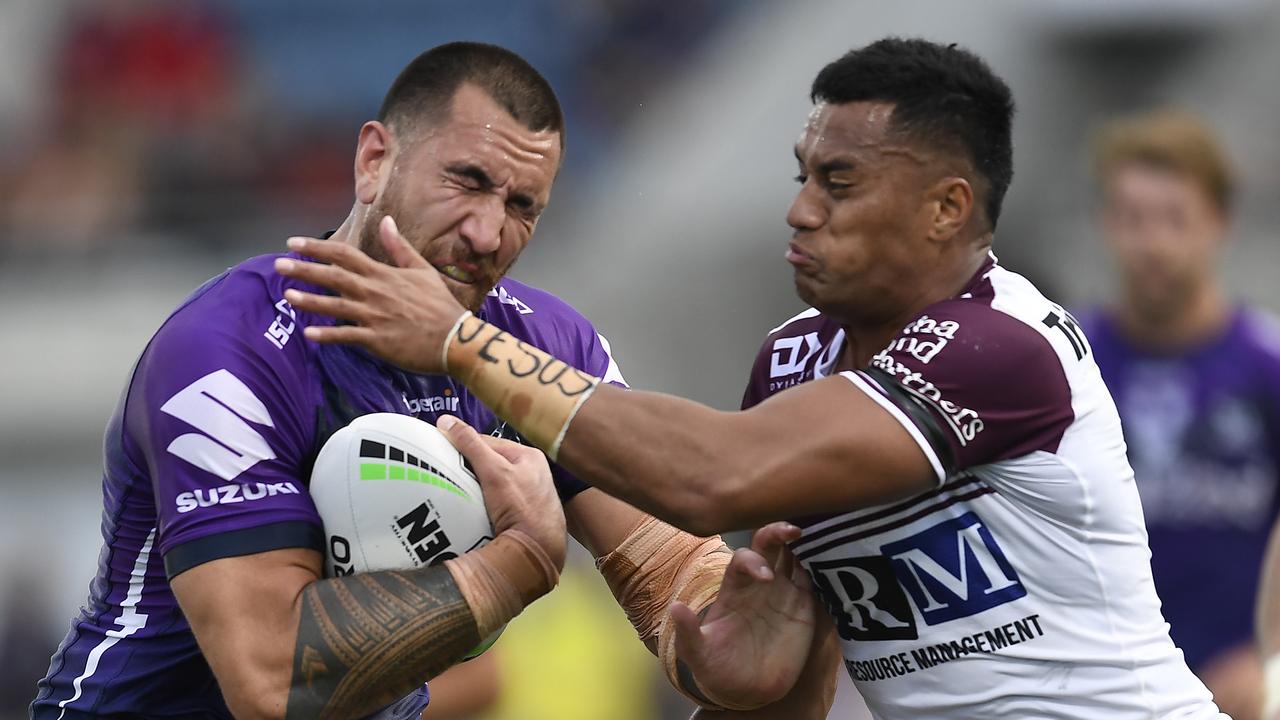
<point x="952" y="570"/>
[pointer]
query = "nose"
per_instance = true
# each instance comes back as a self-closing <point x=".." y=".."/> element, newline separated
<point x="482" y="227"/>
<point x="806" y="213"/>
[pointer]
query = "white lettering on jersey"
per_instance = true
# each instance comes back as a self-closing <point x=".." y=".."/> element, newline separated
<point x="230" y="494"/>
<point x="936" y="335"/>
<point x="281" y="329"/>
<point x="218" y="405"/>
<point x="435" y="403"/>
<point x="964" y="422"/>
<point x="789" y="357"/>
<point x="507" y="298"/>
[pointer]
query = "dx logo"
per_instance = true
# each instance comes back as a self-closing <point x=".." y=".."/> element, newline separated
<point x="952" y="570"/>
<point x="791" y="353"/>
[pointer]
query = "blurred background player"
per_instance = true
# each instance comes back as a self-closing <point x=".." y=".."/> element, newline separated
<point x="1195" y="372"/>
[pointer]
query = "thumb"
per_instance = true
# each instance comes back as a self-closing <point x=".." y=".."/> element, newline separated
<point x="482" y="458"/>
<point x="401" y="252"/>
<point x="688" y="630"/>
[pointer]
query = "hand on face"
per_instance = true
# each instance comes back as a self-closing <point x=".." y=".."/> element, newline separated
<point x="401" y="313"/>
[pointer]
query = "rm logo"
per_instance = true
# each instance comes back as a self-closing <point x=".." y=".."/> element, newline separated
<point x="791" y="353"/>
<point x="952" y="570"/>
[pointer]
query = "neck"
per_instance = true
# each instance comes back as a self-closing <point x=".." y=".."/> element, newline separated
<point x="349" y="231"/>
<point x="1199" y="319"/>
<point x="864" y="339"/>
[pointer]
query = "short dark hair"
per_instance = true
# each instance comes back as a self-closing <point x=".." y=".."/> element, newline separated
<point x="424" y="90"/>
<point x="942" y="95"/>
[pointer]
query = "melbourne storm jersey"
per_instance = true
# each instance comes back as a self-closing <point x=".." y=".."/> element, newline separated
<point x="1020" y="586"/>
<point x="1203" y="430"/>
<point x="208" y="456"/>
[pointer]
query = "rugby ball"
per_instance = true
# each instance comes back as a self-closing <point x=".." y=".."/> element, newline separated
<point x="394" y="494"/>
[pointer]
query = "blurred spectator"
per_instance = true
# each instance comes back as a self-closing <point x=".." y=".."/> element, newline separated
<point x="1196" y="376"/>
<point x="144" y="118"/>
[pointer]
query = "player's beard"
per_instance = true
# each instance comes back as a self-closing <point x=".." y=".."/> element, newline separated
<point x="470" y="296"/>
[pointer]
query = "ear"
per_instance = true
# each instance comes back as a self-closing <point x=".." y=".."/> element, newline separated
<point x="952" y="207"/>
<point x="375" y="153"/>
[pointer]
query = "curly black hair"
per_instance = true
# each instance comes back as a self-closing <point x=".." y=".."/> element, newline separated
<point x="942" y="95"/>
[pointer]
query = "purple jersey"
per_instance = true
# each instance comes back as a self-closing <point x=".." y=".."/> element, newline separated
<point x="1203" y="431"/>
<point x="208" y="455"/>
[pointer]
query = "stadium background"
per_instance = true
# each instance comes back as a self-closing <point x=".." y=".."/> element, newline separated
<point x="149" y="144"/>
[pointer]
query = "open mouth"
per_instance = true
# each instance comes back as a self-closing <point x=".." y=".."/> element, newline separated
<point x="453" y="272"/>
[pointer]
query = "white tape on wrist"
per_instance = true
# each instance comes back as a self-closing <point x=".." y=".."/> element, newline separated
<point x="554" y="451"/>
<point x="1271" y="688"/>
<point x="448" y="340"/>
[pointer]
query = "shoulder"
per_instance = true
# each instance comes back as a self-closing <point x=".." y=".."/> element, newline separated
<point x="1261" y="330"/>
<point x="790" y="353"/>
<point x="243" y="301"/>
<point x="1002" y="322"/>
<point x="542" y="319"/>
<point x="237" y="325"/>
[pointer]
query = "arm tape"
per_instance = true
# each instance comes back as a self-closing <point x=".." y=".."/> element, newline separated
<point x="502" y="578"/>
<point x="655" y="565"/>
<point x="523" y="385"/>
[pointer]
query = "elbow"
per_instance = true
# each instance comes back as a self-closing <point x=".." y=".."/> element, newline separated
<point x="707" y="505"/>
<point x="257" y="703"/>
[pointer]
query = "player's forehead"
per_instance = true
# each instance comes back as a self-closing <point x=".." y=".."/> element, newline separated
<point x="480" y="131"/>
<point x="854" y="131"/>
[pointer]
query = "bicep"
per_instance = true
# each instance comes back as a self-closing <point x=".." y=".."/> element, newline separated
<point x="823" y="447"/>
<point x="244" y="613"/>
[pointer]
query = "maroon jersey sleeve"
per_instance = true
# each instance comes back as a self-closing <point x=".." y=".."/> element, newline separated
<point x="977" y="385"/>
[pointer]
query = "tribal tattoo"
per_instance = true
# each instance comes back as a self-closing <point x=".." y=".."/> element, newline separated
<point x="365" y="641"/>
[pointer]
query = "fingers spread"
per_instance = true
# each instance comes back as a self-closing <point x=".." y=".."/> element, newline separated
<point x="337" y="307"/>
<point x="328" y="276"/>
<point x="335" y="253"/>
<point x="344" y="334"/>
<point x="401" y="252"/>
<point x="747" y="567"/>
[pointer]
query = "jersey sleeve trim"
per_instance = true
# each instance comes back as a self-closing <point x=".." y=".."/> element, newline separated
<point x="274" y="536"/>
<point x="878" y="392"/>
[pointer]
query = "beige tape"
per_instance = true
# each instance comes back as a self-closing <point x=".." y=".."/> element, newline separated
<point x="655" y="565"/>
<point x="502" y="578"/>
<point x="538" y="394"/>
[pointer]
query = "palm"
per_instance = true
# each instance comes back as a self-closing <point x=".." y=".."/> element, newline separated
<point x="752" y="643"/>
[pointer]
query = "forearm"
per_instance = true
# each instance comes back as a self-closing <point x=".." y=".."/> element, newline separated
<point x="681" y="460"/>
<point x="364" y="641"/>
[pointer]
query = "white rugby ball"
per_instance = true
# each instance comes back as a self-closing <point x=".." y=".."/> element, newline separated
<point x="394" y="494"/>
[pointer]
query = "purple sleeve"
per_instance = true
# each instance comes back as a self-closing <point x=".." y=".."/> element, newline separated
<point x="974" y="385"/>
<point x="220" y="410"/>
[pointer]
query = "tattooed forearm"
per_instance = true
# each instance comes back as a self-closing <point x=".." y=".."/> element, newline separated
<point x="365" y="641"/>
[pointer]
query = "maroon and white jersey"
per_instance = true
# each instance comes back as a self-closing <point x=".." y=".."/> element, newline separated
<point x="1020" y="586"/>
